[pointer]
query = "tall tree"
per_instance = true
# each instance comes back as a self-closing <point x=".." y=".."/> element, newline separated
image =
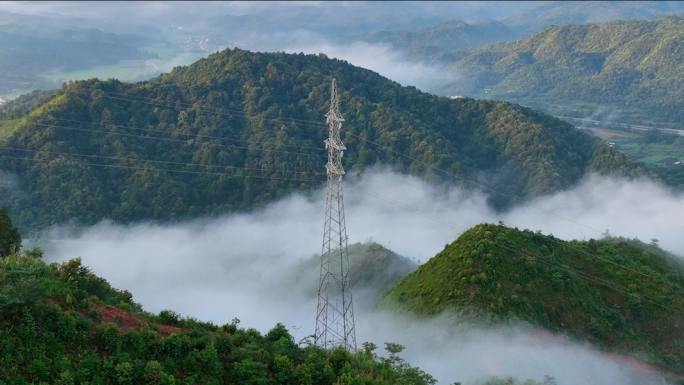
<point x="10" y="239"/>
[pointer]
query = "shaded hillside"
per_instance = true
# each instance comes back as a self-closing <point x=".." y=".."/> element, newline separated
<point x="449" y="35"/>
<point x="239" y="129"/>
<point x="620" y="294"/>
<point x="63" y="324"/>
<point x="373" y="270"/>
<point x="630" y="68"/>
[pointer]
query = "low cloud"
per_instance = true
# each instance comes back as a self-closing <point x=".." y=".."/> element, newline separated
<point x="383" y="59"/>
<point x="242" y="265"/>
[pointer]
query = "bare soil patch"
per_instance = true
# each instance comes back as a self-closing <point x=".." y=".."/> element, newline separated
<point x="128" y="321"/>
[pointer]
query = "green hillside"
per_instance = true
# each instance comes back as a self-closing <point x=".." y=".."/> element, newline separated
<point x="542" y="14"/>
<point x="239" y="129"/>
<point x="621" y="295"/>
<point x="631" y="69"/>
<point x="62" y="324"/>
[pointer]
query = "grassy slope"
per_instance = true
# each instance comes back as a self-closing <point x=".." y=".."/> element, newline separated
<point x="8" y="127"/>
<point x="494" y="273"/>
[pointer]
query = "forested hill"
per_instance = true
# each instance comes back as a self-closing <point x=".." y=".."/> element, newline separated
<point x="631" y="68"/>
<point x="619" y="294"/>
<point x="238" y="129"/>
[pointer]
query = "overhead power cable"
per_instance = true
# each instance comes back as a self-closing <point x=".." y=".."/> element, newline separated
<point x="389" y="149"/>
<point x="234" y="113"/>
<point x="373" y="194"/>
<point x="175" y="140"/>
<point x="464" y="179"/>
<point x="160" y="161"/>
<point x="184" y="134"/>
<point x="372" y="142"/>
<point x="170" y="170"/>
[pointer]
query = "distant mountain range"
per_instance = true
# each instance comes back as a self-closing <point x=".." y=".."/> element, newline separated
<point x="631" y="69"/>
<point x="33" y="45"/>
<point x="542" y="14"/>
<point x="449" y="35"/>
<point x="239" y="129"/>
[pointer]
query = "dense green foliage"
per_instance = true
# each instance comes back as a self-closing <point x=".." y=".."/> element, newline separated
<point x="10" y="239"/>
<point x="672" y="176"/>
<point x="631" y="67"/>
<point x="58" y="324"/>
<point x="23" y="58"/>
<point x="449" y="35"/>
<point x="248" y="118"/>
<point x="620" y="294"/>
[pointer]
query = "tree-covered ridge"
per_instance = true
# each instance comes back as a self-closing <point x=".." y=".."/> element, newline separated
<point x="239" y="129"/>
<point x="633" y="66"/>
<point x="620" y="294"/>
<point x="63" y="324"/>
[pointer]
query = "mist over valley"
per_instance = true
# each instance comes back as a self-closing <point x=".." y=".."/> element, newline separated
<point x="193" y="192"/>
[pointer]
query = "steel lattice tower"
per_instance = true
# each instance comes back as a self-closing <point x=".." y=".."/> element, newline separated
<point x="335" y="315"/>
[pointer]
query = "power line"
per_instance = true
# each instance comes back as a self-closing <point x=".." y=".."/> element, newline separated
<point x="564" y="244"/>
<point x="316" y="124"/>
<point x="182" y="133"/>
<point x="237" y="113"/>
<point x="169" y="170"/>
<point x="372" y="142"/>
<point x="175" y="140"/>
<point x="286" y="152"/>
<point x="464" y="179"/>
<point x="439" y="220"/>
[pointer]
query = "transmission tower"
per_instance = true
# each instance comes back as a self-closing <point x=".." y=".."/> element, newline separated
<point x="335" y="315"/>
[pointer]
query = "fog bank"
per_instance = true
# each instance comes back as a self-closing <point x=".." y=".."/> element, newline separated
<point x="243" y="265"/>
